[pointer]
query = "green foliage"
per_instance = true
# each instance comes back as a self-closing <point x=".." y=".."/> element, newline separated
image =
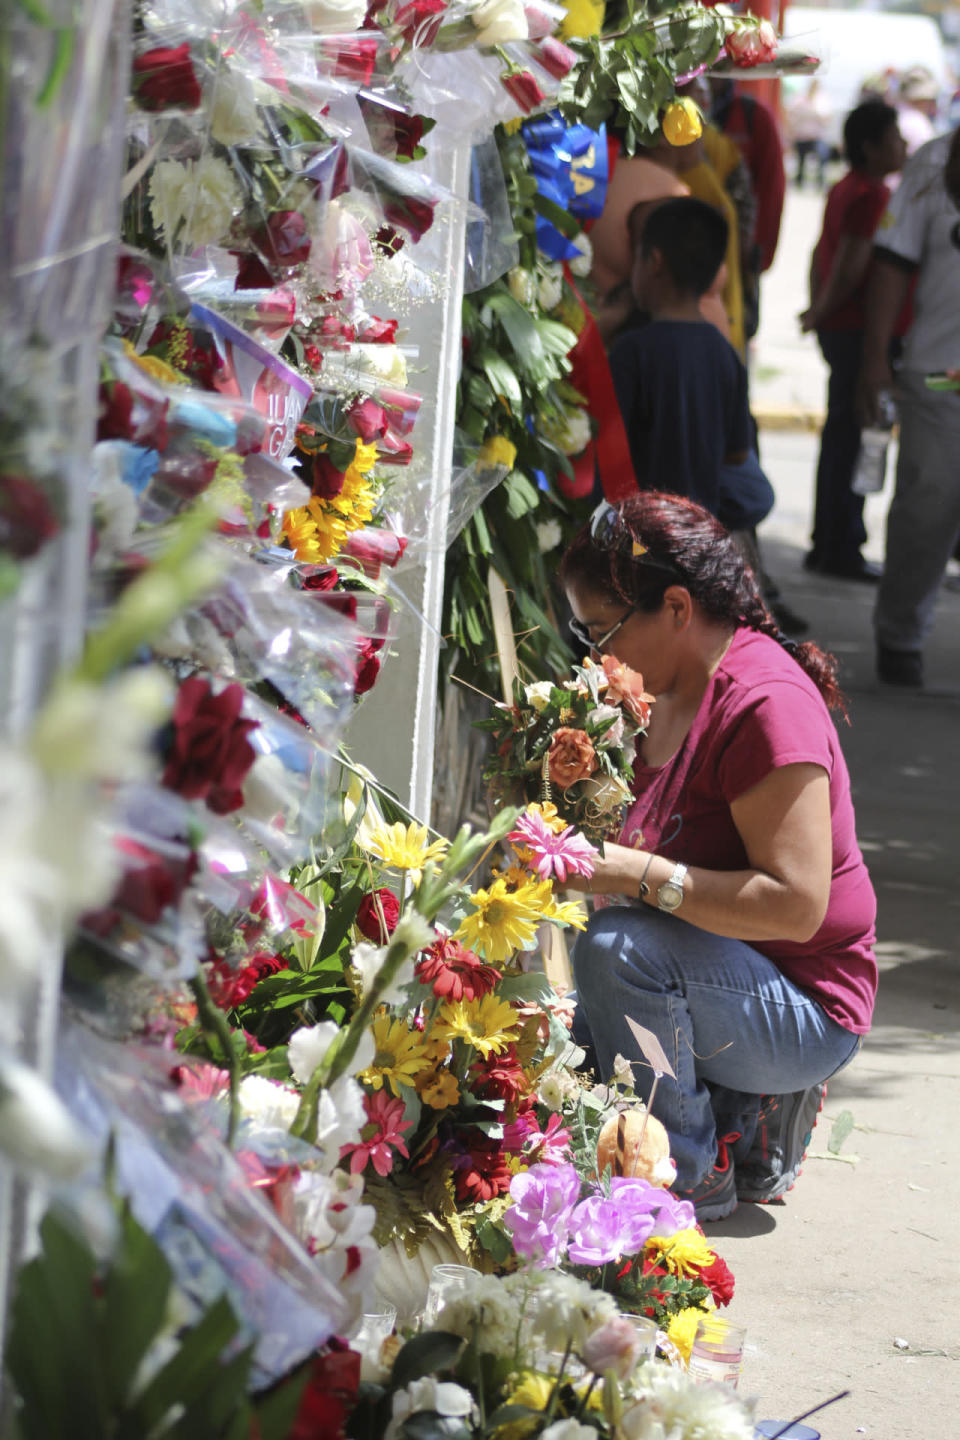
<point x="87" y="1350"/>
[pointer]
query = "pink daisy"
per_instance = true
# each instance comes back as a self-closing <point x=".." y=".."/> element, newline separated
<point x="565" y="854"/>
<point x="385" y="1114"/>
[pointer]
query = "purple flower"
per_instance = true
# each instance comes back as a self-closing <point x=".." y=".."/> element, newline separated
<point x="596" y="1232"/>
<point x="639" y="1201"/>
<point x="539" y="1218"/>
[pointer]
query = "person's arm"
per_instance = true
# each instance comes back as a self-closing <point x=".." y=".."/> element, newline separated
<point x="739" y="428"/>
<point x="784" y="823"/>
<point x="849" y="267"/>
<point x="886" y="294"/>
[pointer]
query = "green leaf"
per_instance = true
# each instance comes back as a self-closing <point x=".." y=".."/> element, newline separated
<point x="502" y="378"/>
<point x="568" y="225"/>
<point x="186" y="1375"/>
<point x="520" y="327"/>
<point x="497" y="1244"/>
<point x="277" y="1411"/>
<point x="425" y="1355"/>
<point x="431" y="1425"/>
<point x="839" y="1131"/>
<point x="528" y="989"/>
<point x="135" y="1292"/>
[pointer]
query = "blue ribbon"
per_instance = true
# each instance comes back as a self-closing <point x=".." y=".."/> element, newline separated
<point x="570" y="166"/>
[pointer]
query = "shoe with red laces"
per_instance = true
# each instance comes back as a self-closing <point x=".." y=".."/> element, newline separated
<point x="716" y="1195"/>
<point x="783" y="1133"/>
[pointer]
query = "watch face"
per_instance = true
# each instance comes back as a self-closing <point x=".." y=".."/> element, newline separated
<point x="669" y="895"/>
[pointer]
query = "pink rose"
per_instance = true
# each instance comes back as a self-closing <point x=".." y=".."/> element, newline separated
<point x="616" y="1346"/>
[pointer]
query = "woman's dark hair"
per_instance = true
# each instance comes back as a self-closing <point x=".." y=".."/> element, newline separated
<point x="866" y="125"/>
<point x="658" y="540"/>
<point x="692" y="238"/>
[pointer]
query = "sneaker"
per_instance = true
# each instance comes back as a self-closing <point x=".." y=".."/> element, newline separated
<point x="900" y="667"/>
<point x="716" y="1196"/>
<point x="783" y="1133"/>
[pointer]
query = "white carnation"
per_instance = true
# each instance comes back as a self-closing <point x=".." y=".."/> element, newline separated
<point x="582" y="264"/>
<point x="334" y="17"/>
<point x="673" y="1406"/>
<point x="194" y="201"/>
<point x="549" y="535"/>
<point x="265" y="1104"/>
<point x="234" y="118"/>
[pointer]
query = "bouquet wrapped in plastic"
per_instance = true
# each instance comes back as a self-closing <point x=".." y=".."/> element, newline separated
<point x="572" y="744"/>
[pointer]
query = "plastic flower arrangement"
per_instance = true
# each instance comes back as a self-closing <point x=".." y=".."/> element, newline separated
<point x="571" y="746"/>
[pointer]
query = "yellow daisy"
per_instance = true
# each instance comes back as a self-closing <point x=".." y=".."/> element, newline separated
<point x="504" y="920"/>
<point x="566" y="912"/>
<point x="683" y="1253"/>
<point x="406" y="847"/>
<point x="399" y="1057"/>
<point x="534" y="1391"/>
<point x="489" y="1025"/>
<point x="682" y="1329"/>
<point x="440" y="1090"/>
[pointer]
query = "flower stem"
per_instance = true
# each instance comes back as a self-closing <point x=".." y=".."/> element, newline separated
<point x="214" y="1023"/>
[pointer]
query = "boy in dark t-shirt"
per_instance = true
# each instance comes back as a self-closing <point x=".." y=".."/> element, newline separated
<point x="681" y="386"/>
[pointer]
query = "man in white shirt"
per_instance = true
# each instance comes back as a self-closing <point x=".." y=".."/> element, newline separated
<point x="918" y="102"/>
<point x="919" y="236"/>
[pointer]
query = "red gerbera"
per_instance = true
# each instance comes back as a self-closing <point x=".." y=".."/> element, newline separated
<point x="499" y="1077"/>
<point x="719" y="1277"/>
<point x="483" y="1173"/>
<point x="455" y="972"/>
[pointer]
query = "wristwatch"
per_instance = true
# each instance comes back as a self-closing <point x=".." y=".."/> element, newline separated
<point x="670" y="893"/>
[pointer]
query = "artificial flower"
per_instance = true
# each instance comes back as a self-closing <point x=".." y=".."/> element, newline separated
<point x="502" y="920"/>
<point x="209" y="754"/>
<point x="400" y="1054"/>
<point x="537" y="697"/>
<point x="488" y="1024"/>
<point x="637" y="1198"/>
<point x="571" y="757"/>
<point x="625" y="687"/>
<point x="596" y="1232"/>
<point x="617" y="1345"/>
<point x="454" y="972"/>
<point x="563" y="854"/>
<point x="684" y="1253"/>
<point x="406" y="848"/>
<point x="499" y="1076"/>
<point x="550" y="1146"/>
<point x="565" y="912"/>
<point x="385" y="1120"/>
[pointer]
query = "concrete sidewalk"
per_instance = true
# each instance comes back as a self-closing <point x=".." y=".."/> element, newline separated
<point x="852" y="1281"/>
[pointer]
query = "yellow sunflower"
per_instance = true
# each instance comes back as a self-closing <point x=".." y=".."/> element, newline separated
<point x="489" y="1025"/>
<point x="318" y="531"/>
<point x="504" y="920"/>
<point x="682" y="1329"/>
<point x="399" y="1057"/>
<point x="684" y="1253"/>
<point x="406" y="847"/>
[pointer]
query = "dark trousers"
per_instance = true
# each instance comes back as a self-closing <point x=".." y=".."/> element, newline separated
<point x="838" y="529"/>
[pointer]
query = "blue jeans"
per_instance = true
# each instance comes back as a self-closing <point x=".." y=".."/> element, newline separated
<point x="732" y="1025"/>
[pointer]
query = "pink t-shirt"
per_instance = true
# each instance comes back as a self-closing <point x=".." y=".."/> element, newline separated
<point x="760" y="711"/>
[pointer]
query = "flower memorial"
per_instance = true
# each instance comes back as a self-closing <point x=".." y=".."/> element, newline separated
<point x="307" y="1043"/>
<point x="570" y="745"/>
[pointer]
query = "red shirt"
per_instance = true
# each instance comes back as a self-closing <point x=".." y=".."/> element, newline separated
<point x="761" y="711"/>
<point x="855" y="206"/>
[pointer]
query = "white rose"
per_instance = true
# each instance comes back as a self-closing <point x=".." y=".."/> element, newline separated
<point x="234" y="118"/>
<point x="193" y="202"/>
<point x="334" y="17"/>
<point x="538" y="695"/>
<point x="499" y="21"/>
<point x="549" y="535"/>
<point x="37" y="1131"/>
<point x="266" y="789"/>
<point x="613" y="735"/>
<point x="383" y="362"/>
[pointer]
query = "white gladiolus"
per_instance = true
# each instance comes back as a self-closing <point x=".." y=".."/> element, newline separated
<point x="101" y="732"/>
<point x="499" y="21"/>
<point x="37" y="1132"/>
<point x="367" y="959"/>
<point x="194" y="201"/>
<point x="308" y="1046"/>
<point x="234" y="118"/>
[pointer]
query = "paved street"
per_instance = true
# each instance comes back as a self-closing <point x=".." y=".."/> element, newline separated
<point x="852" y="1282"/>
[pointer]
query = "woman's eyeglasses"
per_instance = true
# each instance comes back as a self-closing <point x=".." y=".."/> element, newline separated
<point x="609" y="531"/>
<point x="583" y="634"/>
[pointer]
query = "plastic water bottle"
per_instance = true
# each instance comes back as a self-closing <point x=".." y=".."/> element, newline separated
<point x="871" y="467"/>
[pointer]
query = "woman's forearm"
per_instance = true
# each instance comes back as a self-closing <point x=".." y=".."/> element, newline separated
<point x="740" y="904"/>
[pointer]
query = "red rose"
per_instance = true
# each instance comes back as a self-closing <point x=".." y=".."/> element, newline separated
<point x="195" y="358"/>
<point x="409" y="133"/>
<point x="284" y="239"/>
<point x="343" y="603"/>
<point x="410" y="213"/>
<point x="210" y="754"/>
<point x="378" y="915"/>
<point x="368" y="419"/>
<point x="27" y="518"/>
<point x="368" y="666"/>
<point x="329" y="1397"/>
<point x="523" y="90"/>
<point x="420" y="21"/>
<point x="277" y="311"/>
<point x="252" y="274"/>
<point x="395" y="451"/>
<point x="332" y="327"/>
<point x="165" y="78"/>
<point x="556" y="57"/>
<point x="313" y="357"/>
<point x="115" y="420"/>
<point x="719" y="1277"/>
<point x="326" y="481"/>
<point x="374" y="548"/>
<point x="377" y="332"/>
<point x="353" y="58"/>
<point x="229" y="987"/>
<point x="325" y="577"/>
<point x="402" y="407"/>
<point x="150" y="881"/>
<point x="186" y="475"/>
